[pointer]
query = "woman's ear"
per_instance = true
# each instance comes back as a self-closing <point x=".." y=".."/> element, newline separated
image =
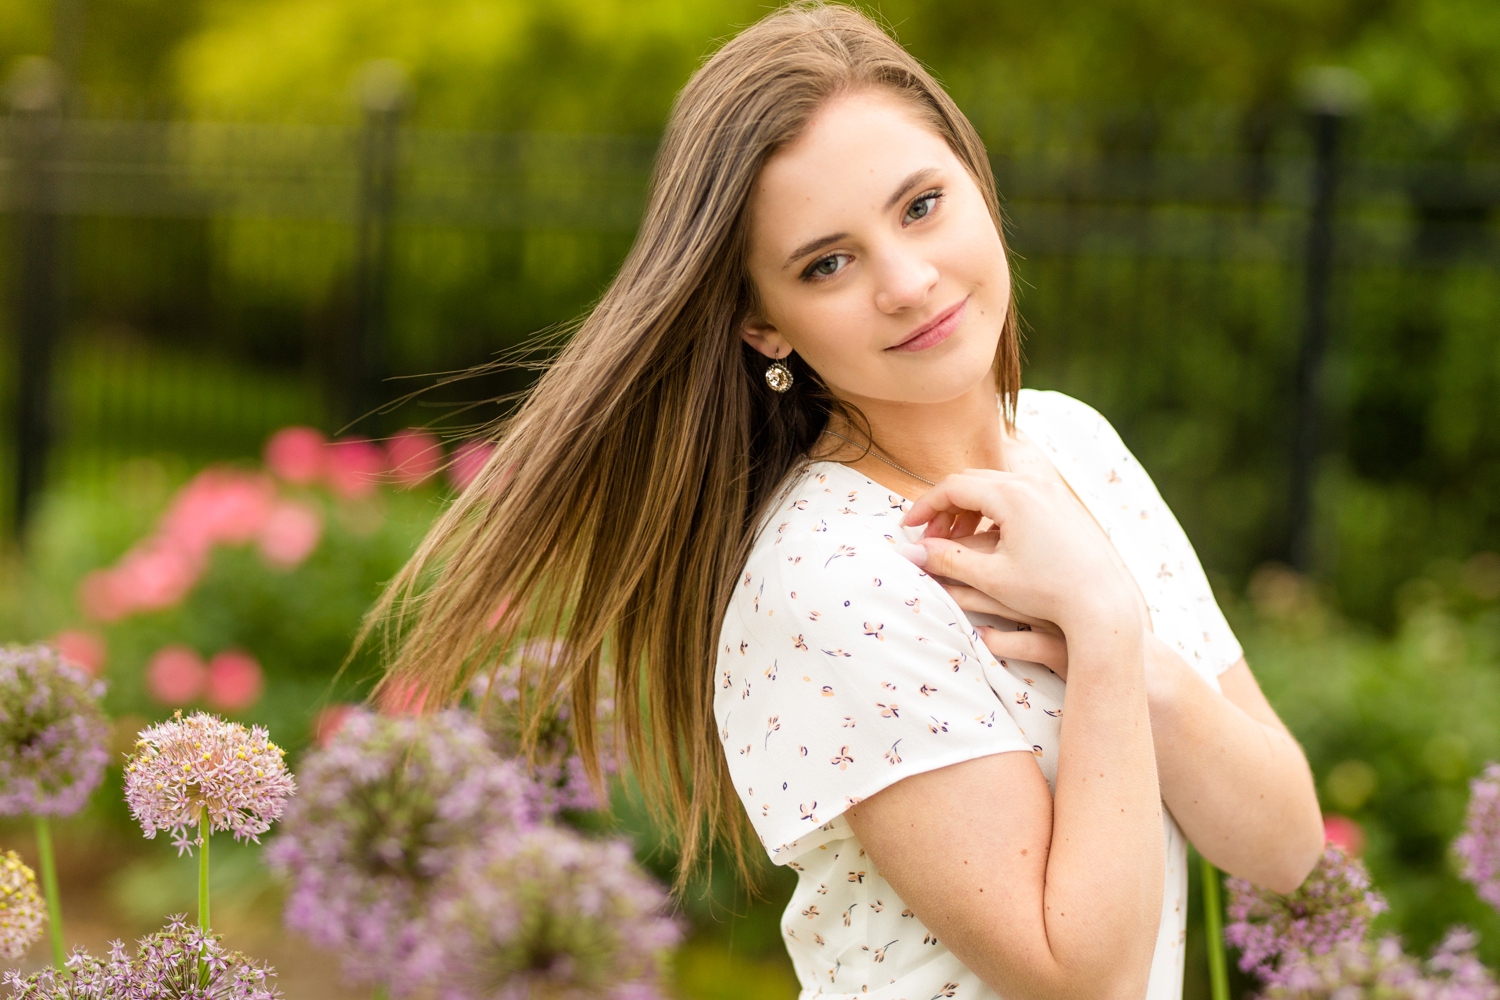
<point x="764" y="337"/>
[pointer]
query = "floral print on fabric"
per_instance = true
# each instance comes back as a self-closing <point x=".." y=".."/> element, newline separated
<point x="843" y="668"/>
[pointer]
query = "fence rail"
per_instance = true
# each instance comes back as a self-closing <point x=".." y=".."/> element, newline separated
<point x="1120" y="253"/>
<point x="1199" y="204"/>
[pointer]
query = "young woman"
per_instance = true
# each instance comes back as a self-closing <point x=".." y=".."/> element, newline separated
<point x="707" y="497"/>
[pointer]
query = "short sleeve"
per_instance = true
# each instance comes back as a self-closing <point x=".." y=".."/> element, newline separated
<point x="1221" y="648"/>
<point x="1119" y="469"/>
<point x="845" y="668"/>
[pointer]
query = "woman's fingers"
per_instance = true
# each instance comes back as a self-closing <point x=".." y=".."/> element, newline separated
<point x="961" y="492"/>
<point x="967" y="564"/>
<point x="978" y="602"/>
<point x="966" y="523"/>
<point x="1046" y="648"/>
<point x="940" y="526"/>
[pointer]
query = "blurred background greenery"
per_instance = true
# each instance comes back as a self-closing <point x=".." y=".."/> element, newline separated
<point x="223" y="242"/>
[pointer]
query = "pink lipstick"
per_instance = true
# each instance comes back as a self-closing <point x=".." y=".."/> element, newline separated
<point x="935" y="331"/>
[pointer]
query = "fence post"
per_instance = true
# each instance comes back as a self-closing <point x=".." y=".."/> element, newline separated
<point x="382" y="90"/>
<point x="1331" y="95"/>
<point x="36" y="92"/>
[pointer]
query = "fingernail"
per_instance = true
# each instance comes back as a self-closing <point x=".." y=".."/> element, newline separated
<point x="916" y="553"/>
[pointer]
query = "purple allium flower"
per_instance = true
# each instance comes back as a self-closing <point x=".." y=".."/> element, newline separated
<point x="201" y="765"/>
<point x="1454" y="971"/>
<point x="1350" y="969"/>
<point x="1478" y="847"/>
<point x="559" y="779"/>
<point x="1335" y="904"/>
<point x="52" y="733"/>
<point x="1381" y="969"/>
<point x="178" y="962"/>
<point x="557" y="915"/>
<point x="23" y="912"/>
<point x="388" y="811"/>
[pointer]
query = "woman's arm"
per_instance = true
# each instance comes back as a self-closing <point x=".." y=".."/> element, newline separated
<point x="1233" y="776"/>
<point x="1236" y="781"/>
<point x="1041" y="896"/>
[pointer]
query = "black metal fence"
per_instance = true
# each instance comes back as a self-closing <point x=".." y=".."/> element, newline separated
<point x="1265" y="326"/>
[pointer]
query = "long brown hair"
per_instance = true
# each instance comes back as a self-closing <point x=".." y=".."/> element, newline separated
<point x="623" y="495"/>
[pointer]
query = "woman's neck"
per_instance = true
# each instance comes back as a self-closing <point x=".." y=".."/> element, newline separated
<point x="927" y="441"/>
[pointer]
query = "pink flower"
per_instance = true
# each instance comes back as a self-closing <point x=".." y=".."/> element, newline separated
<point x="85" y="649"/>
<point x="415" y="456"/>
<point x="469" y="459"/>
<point x="155" y="574"/>
<point x="176" y="675"/>
<point x="297" y="454"/>
<point x="234" y="681"/>
<point x="101" y="598"/>
<point x="403" y="698"/>
<point x="329" y="720"/>
<point x="1343" y="832"/>
<point x="218" y="506"/>
<point x="354" y="467"/>
<point x="290" y="534"/>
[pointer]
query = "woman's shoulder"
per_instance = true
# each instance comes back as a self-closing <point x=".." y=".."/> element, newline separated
<point x="824" y="505"/>
<point x="830" y="538"/>
<point x="1057" y="413"/>
<point x="1078" y="436"/>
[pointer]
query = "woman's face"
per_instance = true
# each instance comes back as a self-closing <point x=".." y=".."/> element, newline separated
<point x="876" y="259"/>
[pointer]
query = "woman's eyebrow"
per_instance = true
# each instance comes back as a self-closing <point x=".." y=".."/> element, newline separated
<point x="912" y="180"/>
<point x="812" y="246"/>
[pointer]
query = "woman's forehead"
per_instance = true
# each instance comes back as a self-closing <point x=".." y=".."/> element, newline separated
<point x="851" y="156"/>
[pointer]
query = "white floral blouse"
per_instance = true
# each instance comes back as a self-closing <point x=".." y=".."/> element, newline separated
<point x="844" y="668"/>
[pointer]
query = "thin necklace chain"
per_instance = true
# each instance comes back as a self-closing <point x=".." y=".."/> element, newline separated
<point x="881" y="458"/>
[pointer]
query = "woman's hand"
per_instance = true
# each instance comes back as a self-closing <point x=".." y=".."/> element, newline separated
<point x="1042" y="896"/>
<point x="1233" y="776"/>
<point x="1039" y="644"/>
<point x="1044" y="561"/>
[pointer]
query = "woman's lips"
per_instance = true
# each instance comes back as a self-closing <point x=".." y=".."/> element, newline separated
<point x="935" y="332"/>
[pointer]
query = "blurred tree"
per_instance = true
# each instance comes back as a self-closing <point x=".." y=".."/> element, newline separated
<point x="1439" y="59"/>
<point x="25" y="29"/>
<point x="578" y="65"/>
<point x="612" y="65"/>
<point x="1132" y="51"/>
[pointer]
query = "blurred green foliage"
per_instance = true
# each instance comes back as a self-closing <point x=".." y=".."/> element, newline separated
<point x="613" y="65"/>
<point x="196" y="337"/>
<point x="1192" y="358"/>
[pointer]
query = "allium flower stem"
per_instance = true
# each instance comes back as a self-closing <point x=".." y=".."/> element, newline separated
<point x="1213" y="918"/>
<point x="49" y="887"/>
<point x="203" y="832"/>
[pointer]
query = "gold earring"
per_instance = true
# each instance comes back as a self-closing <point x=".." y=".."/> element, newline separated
<point x="779" y="377"/>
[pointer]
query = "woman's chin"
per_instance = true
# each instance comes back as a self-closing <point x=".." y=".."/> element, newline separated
<point x="946" y="380"/>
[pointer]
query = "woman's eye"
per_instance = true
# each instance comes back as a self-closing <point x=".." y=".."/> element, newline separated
<point x="923" y="206"/>
<point x="827" y="267"/>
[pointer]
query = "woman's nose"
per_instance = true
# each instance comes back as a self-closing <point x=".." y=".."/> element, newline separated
<point x="903" y="281"/>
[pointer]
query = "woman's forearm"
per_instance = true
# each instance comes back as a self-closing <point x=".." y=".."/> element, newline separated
<point x="1105" y="871"/>
<point x="1238" y="785"/>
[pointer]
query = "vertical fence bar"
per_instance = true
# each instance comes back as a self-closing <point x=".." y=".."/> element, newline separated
<point x="382" y="94"/>
<point x="36" y="92"/>
<point x="1332" y="96"/>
